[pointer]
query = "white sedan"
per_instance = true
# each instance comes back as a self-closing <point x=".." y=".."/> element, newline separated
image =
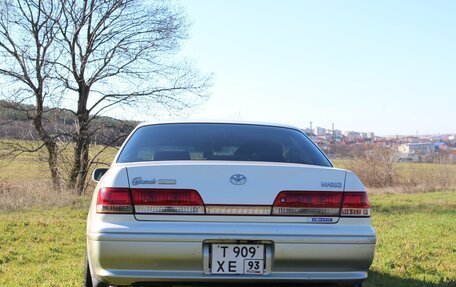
<point x="188" y="203"/>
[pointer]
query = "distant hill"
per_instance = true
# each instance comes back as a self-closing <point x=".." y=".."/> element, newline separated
<point x="15" y="125"/>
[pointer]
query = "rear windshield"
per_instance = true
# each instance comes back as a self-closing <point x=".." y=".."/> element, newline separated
<point x="228" y="142"/>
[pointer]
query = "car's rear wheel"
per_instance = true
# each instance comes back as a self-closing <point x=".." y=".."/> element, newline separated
<point x="90" y="281"/>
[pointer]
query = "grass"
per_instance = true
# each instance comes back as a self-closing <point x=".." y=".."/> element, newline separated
<point x="31" y="167"/>
<point x="416" y="240"/>
<point x="407" y="177"/>
<point x="416" y="243"/>
<point x="405" y="169"/>
<point x="42" y="247"/>
<point x="22" y="167"/>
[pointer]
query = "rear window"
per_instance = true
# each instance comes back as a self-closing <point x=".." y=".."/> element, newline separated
<point x="228" y="142"/>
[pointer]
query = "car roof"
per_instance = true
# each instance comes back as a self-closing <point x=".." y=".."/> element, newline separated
<point x="218" y="122"/>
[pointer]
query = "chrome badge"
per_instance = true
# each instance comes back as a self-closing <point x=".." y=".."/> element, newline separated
<point x="331" y="184"/>
<point x="320" y="219"/>
<point x="238" y="179"/>
<point x="166" y="181"/>
<point x="139" y="180"/>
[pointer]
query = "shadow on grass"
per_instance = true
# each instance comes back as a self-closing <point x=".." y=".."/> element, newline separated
<point x="377" y="279"/>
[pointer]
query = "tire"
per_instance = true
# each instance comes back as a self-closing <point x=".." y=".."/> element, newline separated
<point x="90" y="281"/>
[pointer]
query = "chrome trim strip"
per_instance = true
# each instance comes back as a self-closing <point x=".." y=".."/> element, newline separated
<point x="268" y="259"/>
<point x="238" y="210"/>
<point x="206" y="258"/>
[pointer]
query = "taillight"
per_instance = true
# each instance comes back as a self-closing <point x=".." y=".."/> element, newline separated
<point x="355" y="204"/>
<point x="167" y="201"/>
<point x="307" y="203"/>
<point x="114" y="200"/>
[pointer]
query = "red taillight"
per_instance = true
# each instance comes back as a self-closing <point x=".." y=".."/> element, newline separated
<point x="114" y="200"/>
<point x="167" y="201"/>
<point x="307" y="203"/>
<point x="355" y="204"/>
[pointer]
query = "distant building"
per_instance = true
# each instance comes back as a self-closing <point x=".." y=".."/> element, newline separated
<point x="352" y="136"/>
<point x="416" y="148"/>
<point x="318" y="131"/>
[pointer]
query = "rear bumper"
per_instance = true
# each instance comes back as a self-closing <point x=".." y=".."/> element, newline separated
<point x="298" y="252"/>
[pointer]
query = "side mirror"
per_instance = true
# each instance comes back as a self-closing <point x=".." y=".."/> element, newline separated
<point x="98" y="173"/>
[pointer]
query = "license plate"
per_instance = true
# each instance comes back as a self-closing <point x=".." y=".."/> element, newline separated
<point x="237" y="259"/>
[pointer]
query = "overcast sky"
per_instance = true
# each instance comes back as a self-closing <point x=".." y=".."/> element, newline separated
<point x="382" y="66"/>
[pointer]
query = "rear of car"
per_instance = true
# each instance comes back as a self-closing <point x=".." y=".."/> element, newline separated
<point x="187" y="203"/>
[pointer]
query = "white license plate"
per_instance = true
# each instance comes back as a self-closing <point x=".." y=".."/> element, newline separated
<point x="237" y="259"/>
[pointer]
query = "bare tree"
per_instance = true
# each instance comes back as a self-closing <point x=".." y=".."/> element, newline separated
<point x="375" y="167"/>
<point x="27" y="34"/>
<point x="112" y="54"/>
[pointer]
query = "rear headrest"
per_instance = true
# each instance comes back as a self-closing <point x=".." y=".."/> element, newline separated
<point x="172" y="155"/>
<point x="260" y="151"/>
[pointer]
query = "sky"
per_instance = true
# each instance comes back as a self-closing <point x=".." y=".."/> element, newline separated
<point x="383" y="66"/>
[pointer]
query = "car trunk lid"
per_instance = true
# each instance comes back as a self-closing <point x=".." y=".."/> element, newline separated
<point x="235" y="188"/>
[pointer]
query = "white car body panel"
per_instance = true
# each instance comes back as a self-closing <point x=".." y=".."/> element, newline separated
<point x="115" y="176"/>
<point x="212" y="179"/>
<point x="352" y="183"/>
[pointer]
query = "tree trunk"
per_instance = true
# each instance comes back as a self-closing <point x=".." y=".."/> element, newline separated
<point x="52" y="162"/>
<point x="82" y="175"/>
<point x="79" y="171"/>
<point x="49" y="143"/>
<point x="78" y="174"/>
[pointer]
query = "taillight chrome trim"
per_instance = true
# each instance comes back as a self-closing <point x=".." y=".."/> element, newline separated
<point x="305" y="211"/>
<point x="355" y="212"/>
<point x="169" y="209"/>
<point x="115" y="209"/>
<point x="251" y="210"/>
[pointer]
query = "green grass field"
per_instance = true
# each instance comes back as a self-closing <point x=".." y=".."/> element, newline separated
<point x="416" y="243"/>
<point x="28" y="167"/>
